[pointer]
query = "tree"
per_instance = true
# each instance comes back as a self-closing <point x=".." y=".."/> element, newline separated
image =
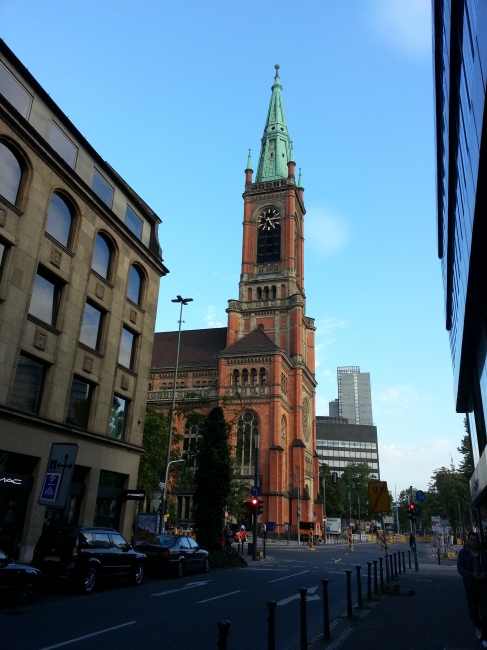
<point x="354" y="480"/>
<point x="448" y="490"/>
<point x="334" y="497"/>
<point x="213" y="480"/>
<point x="466" y="466"/>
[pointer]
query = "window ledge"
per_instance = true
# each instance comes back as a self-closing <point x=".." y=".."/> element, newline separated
<point x="102" y="279"/>
<point x="127" y="370"/>
<point x="131" y="302"/>
<point x="87" y="348"/>
<point x="56" y="243"/>
<point x="12" y="207"/>
<point x="41" y="323"/>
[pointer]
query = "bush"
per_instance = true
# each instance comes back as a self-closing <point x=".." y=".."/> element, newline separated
<point x="226" y="558"/>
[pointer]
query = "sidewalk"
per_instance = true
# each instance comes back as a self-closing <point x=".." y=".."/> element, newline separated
<point x="435" y="617"/>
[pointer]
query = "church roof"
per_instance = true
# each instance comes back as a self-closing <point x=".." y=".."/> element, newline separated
<point x="197" y="347"/>
<point x="276" y="147"/>
<point x="256" y="341"/>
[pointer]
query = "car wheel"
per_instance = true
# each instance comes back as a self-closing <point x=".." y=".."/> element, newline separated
<point x="138" y="574"/>
<point x="26" y="591"/>
<point x="206" y="565"/>
<point x="180" y="570"/>
<point x="89" y="581"/>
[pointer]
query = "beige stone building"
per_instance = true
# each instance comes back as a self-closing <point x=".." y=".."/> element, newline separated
<point x="80" y="266"/>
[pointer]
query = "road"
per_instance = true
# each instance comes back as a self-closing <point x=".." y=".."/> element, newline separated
<point x="168" y="613"/>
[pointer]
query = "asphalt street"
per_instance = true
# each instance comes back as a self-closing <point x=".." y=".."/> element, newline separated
<point x="169" y="613"/>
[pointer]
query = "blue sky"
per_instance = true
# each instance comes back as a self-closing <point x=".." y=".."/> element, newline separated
<point x="173" y="94"/>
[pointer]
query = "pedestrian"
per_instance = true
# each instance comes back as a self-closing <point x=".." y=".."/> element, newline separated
<point x="451" y="542"/>
<point x="411" y="541"/>
<point x="472" y="566"/>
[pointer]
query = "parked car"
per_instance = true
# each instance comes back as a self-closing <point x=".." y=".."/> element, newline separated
<point x="18" y="581"/>
<point x="82" y="555"/>
<point x="177" y="554"/>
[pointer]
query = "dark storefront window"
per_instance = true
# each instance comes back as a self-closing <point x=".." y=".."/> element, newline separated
<point x="109" y="500"/>
<point x="26" y="390"/>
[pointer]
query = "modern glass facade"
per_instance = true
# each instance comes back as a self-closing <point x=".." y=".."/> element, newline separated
<point x="460" y="63"/>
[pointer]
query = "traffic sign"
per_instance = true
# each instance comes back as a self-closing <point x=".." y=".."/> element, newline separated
<point x="379" y="497"/>
<point x="59" y="472"/>
<point x="444" y="515"/>
<point x="255" y="491"/>
<point x="420" y="496"/>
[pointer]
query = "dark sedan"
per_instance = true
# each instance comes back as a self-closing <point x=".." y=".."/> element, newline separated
<point x="18" y="581"/>
<point x="175" y="553"/>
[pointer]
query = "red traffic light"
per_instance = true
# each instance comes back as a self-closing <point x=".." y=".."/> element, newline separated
<point x="254" y="502"/>
<point x="412" y="507"/>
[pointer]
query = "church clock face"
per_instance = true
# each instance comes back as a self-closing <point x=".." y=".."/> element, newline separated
<point x="269" y="219"/>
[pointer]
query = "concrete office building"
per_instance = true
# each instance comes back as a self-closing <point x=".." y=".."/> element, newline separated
<point x="354" y="397"/>
<point x="339" y="443"/>
<point x="460" y="64"/>
<point x="79" y="281"/>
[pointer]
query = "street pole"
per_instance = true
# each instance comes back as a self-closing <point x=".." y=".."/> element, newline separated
<point x="299" y="519"/>
<point x="324" y="509"/>
<point x="182" y="301"/>
<point x="349" y="511"/>
<point x="413" y="530"/>
<point x="359" y="531"/>
<point x="256" y="482"/>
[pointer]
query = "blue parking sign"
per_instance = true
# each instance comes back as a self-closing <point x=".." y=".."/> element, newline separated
<point x="50" y="487"/>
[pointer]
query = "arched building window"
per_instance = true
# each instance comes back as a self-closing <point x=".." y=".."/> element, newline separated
<point x="59" y="220"/>
<point x="245" y="377"/>
<point x="283" y="432"/>
<point x="236" y="378"/>
<point x="134" y="289"/>
<point x="102" y="255"/>
<point x="263" y="377"/>
<point x="247" y="430"/>
<point x="10" y="173"/>
<point x="192" y="432"/>
<point x="259" y="293"/>
<point x="253" y="377"/>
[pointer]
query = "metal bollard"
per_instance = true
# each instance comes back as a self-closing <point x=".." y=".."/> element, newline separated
<point x="326" y="612"/>
<point x="381" y="559"/>
<point x="387" y="569"/>
<point x="271" y="629"/>
<point x="409" y="557"/>
<point x="403" y="563"/>
<point x="439" y="561"/>
<point x="223" y="628"/>
<point x="399" y="561"/>
<point x="349" y="593"/>
<point x="392" y="567"/>
<point x="376" y="590"/>
<point x="360" y="604"/>
<point x="369" y="580"/>
<point x="304" y="630"/>
<point x="395" y="565"/>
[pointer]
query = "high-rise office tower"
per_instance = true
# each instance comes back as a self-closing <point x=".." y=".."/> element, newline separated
<point x="354" y="396"/>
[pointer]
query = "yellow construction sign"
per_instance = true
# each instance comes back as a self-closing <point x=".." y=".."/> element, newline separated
<point x="379" y="497"/>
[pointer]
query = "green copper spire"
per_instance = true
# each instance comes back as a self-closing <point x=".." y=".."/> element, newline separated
<point x="300" y="179"/>
<point x="276" y="145"/>
<point x="291" y="153"/>
<point x="249" y="161"/>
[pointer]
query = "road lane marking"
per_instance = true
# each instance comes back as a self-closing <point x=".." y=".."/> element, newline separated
<point x="190" y="585"/>
<point x="87" y="636"/>
<point x="254" y="568"/>
<point x="291" y="576"/>
<point x="311" y="590"/>
<point x="216" y="597"/>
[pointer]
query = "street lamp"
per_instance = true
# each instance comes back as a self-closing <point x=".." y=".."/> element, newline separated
<point x="182" y="301"/>
<point x="256" y="482"/>
<point x="181" y="460"/>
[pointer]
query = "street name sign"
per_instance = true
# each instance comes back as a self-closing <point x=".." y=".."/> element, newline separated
<point x="59" y="472"/>
<point x="379" y="497"/>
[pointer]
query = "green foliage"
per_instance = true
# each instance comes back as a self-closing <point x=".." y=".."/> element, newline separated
<point x="466" y="466"/>
<point x="213" y="480"/>
<point x="334" y="496"/>
<point x="447" y="490"/>
<point x="354" y="480"/>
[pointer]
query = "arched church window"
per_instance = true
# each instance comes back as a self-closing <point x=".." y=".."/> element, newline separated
<point x="247" y="430"/>
<point x="192" y="432"/>
<point x="274" y="293"/>
<point x="283" y="432"/>
<point x="245" y="377"/>
<point x="259" y="293"/>
<point x="269" y="236"/>
<point x="253" y="377"/>
<point x="263" y="377"/>
<point x="236" y="378"/>
<point x="283" y="291"/>
<point x="266" y="293"/>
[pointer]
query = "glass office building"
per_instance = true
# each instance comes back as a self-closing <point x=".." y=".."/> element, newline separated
<point x="460" y="67"/>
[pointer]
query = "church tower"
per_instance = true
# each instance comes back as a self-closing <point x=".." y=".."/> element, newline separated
<point x="269" y="359"/>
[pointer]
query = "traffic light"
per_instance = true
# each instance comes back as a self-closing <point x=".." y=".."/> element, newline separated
<point x="334" y="478"/>
<point x="260" y="507"/>
<point x="254" y="502"/>
<point x="412" y="512"/>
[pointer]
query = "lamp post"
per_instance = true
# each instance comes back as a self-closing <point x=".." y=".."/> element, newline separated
<point x="181" y="460"/>
<point x="256" y="482"/>
<point x="182" y="301"/>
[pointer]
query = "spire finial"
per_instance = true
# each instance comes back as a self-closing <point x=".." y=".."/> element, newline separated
<point x="249" y="161"/>
<point x="291" y="153"/>
<point x="300" y="179"/>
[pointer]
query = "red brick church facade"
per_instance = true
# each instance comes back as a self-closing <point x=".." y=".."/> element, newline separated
<point x="266" y="353"/>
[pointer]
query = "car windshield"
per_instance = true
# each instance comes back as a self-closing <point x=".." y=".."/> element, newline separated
<point x="162" y="540"/>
